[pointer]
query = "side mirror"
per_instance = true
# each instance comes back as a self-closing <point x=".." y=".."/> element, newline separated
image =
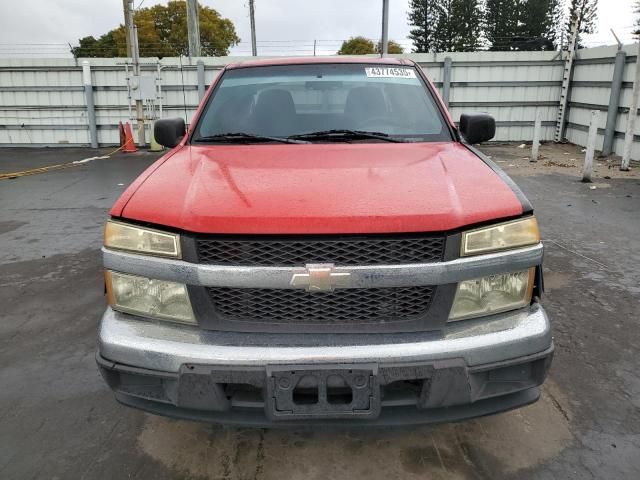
<point x="169" y="131"/>
<point x="477" y="127"/>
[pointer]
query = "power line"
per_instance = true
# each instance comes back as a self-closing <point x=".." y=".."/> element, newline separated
<point x="268" y="46"/>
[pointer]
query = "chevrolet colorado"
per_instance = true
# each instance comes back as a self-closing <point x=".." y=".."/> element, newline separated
<point x="324" y="244"/>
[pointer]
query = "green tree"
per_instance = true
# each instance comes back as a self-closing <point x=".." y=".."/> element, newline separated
<point x="423" y="17"/>
<point x="162" y="32"/>
<point x="445" y="28"/>
<point x="501" y="23"/>
<point x="533" y="18"/>
<point x="105" y="46"/>
<point x="557" y="24"/>
<point x="466" y="25"/>
<point x="393" y="47"/>
<point x="636" y="24"/>
<point x="357" y="46"/>
<point x="446" y="25"/>
<point x="530" y="25"/>
<point x="587" y="13"/>
<point x="538" y="22"/>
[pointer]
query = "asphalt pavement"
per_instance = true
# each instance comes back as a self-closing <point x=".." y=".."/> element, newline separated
<point x="58" y="419"/>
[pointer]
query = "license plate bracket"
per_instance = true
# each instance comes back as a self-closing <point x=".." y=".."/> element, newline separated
<point x="323" y="392"/>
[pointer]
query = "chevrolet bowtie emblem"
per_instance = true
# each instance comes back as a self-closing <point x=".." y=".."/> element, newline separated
<point x="321" y="278"/>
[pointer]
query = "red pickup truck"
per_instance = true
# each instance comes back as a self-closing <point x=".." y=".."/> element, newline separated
<point x="323" y="244"/>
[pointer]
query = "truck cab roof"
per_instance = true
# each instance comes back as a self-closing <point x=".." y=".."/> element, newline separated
<point x="266" y="62"/>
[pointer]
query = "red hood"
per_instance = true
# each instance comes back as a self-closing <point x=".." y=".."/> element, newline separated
<point x="319" y="188"/>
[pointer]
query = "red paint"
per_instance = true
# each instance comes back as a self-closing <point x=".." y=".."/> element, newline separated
<point x="117" y="208"/>
<point x="319" y="188"/>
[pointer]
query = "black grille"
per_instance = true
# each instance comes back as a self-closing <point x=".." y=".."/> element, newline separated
<point x="350" y="306"/>
<point x="339" y="251"/>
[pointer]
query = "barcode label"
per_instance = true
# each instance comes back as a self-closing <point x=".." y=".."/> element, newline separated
<point x="390" y="72"/>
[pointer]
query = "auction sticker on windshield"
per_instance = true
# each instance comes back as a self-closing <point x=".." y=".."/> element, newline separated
<point x="390" y="72"/>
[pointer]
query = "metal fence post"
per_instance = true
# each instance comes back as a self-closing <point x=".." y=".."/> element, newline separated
<point x="631" y="119"/>
<point x="200" y="65"/>
<point x="446" y="80"/>
<point x="535" y="147"/>
<point x="614" y="102"/>
<point x="587" y="169"/>
<point x="91" y="109"/>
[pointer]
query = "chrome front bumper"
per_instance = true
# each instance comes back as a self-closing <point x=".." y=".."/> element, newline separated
<point x="473" y="368"/>
<point x="162" y="346"/>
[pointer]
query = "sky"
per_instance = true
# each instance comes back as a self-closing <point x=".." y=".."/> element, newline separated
<point x="38" y="27"/>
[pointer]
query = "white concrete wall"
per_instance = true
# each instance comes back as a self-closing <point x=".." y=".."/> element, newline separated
<point x="42" y="100"/>
<point x="591" y="90"/>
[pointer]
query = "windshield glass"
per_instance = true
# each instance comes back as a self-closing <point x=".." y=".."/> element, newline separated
<point x="293" y="100"/>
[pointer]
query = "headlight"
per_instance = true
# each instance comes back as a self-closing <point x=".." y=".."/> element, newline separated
<point x="518" y="233"/>
<point x="492" y="294"/>
<point x="122" y="236"/>
<point x="150" y="298"/>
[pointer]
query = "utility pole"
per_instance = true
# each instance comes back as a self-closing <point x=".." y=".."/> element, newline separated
<point x="252" y="15"/>
<point x="125" y="8"/>
<point x="193" y="28"/>
<point x="134" y="53"/>
<point x="132" y="38"/>
<point x="385" y="28"/>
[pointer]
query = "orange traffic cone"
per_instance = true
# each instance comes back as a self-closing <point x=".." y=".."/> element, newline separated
<point x="129" y="144"/>
<point x="121" y="133"/>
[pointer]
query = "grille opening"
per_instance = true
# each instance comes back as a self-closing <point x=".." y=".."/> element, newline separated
<point x="406" y="386"/>
<point x="233" y="389"/>
<point x="305" y="393"/>
<point x="338" y="391"/>
<point x="398" y="393"/>
<point x="342" y="306"/>
<point x="339" y="250"/>
<point x="402" y="392"/>
<point x="339" y="396"/>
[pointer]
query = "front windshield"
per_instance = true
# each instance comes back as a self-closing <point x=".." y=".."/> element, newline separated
<point x="295" y="100"/>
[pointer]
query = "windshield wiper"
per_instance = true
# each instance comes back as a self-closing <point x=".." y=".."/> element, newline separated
<point x="244" y="137"/>
<point x="346" y="133"/>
